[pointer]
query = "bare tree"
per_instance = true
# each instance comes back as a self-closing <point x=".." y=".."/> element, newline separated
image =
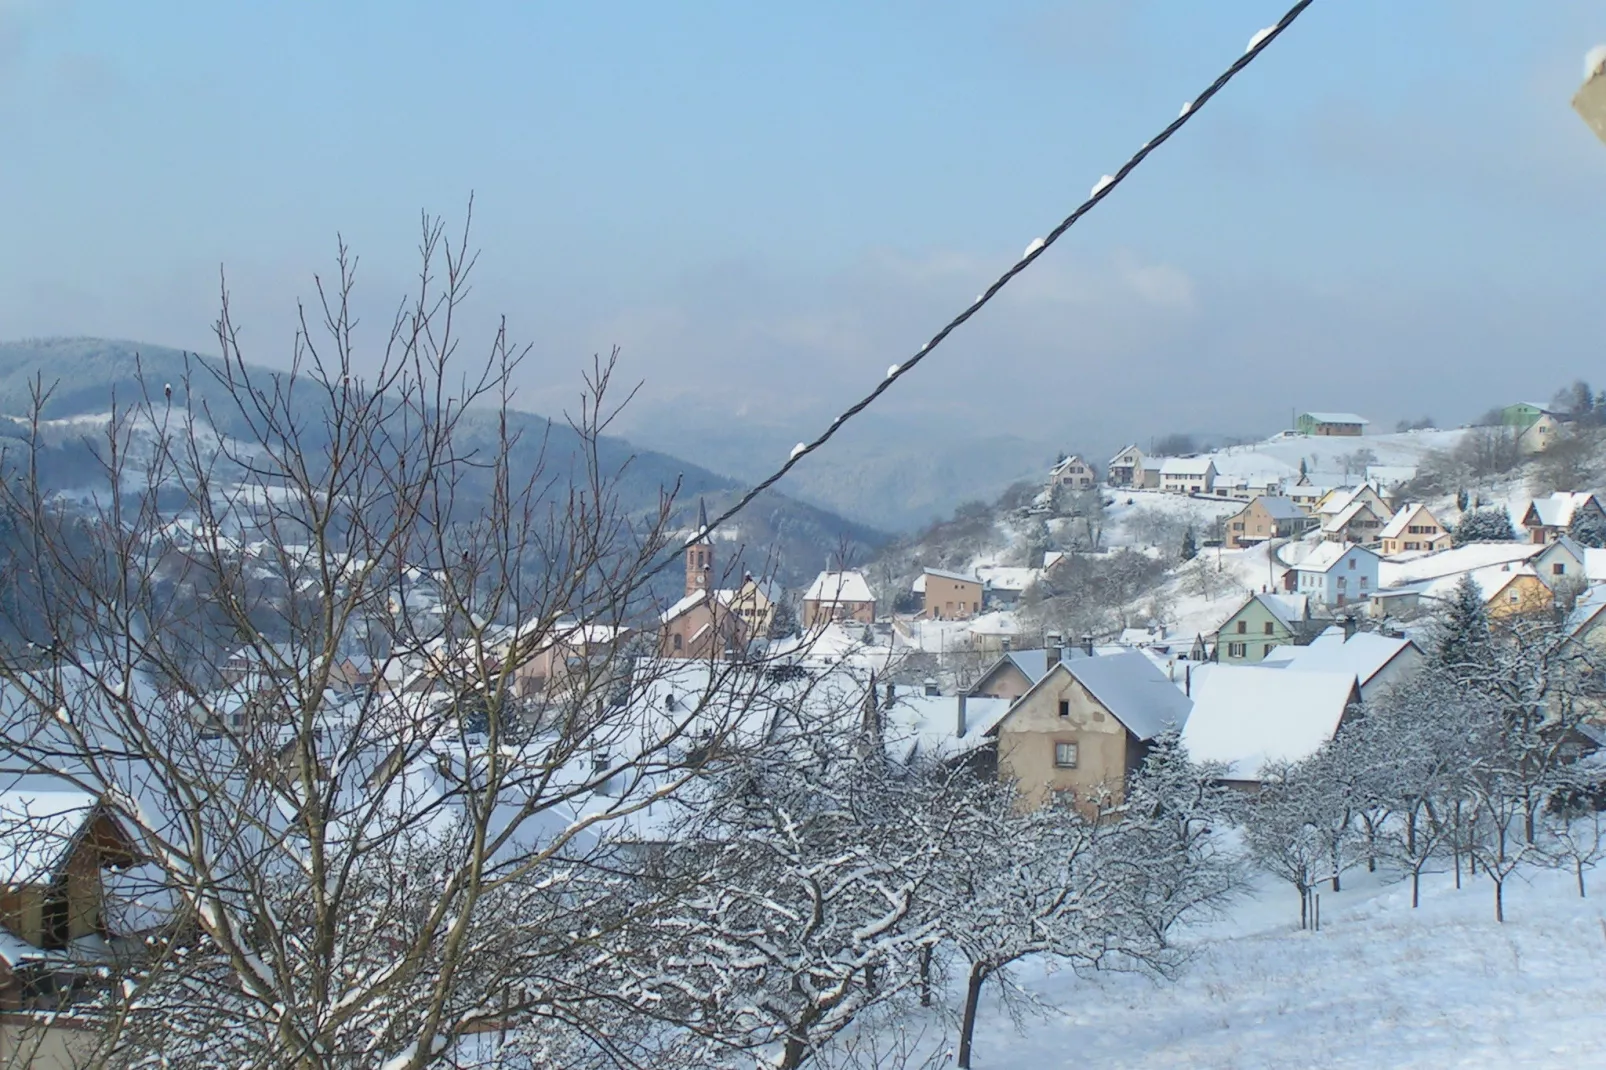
<point x="293" y="645"/>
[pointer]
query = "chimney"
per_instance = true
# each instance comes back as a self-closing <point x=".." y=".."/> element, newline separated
<point x="892" y="694"/>
<point x="931" y="686"/>
<point x="1187" y="681"/>
<point x="1007" y="644"/>
<point x="1051" y="647"/>
<point x="1349" y="626"/>
<point x="1087" y="645"/>
<point x="960" y="719"/>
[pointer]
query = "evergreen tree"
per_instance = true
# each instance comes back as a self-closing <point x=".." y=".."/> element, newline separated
<point x="1588" y="528"/>
<point x="783" y="623"/>
<point x="1492" y="524"/>
<point x="1190" y="547"/>
<point x="1460" y="643"/>
<point x="1461" y="499"/>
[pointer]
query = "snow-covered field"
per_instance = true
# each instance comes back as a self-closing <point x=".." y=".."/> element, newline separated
<point x="1380" y="986"/>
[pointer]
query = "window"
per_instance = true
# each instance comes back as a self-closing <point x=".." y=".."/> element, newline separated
<point x="1266" y="649"/>
<point x="1237" y="650"/>
<point x="1267" y="628"/>
<point x="1352" y="564"/>
<point x="678" y="642"/>
<point x="1512" y="598"/>
<point x="1559" y="568"/>
<point x="1065" y="708"/>
<point x="1243" y="626"/>
<point x="1065" y="755"/>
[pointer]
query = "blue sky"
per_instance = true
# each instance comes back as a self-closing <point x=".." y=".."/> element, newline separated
<point x="1394" y="211"/>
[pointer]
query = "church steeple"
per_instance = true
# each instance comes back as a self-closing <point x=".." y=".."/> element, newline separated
<point x="699" y="554"/>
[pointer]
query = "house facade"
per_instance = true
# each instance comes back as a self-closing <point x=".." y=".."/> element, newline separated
<point x="951" y="595"/>
<point x="1358" y="522"/>
<point x="1265" y="518"/>
<point x="1125" y="468"/>
<point x="1261" y="625"/>
<point x="1072" y="474"/>
<point x="1539" y="435"/>
<point x="1547" y="519"/>
<point x="1188" y="475"/>
<point x="1085" y="726"/>
<point x="1331" y="424"/>
<point x="1411" y="529"/>
<point x="1337" y="574"/>
<point x="838" y="596"/>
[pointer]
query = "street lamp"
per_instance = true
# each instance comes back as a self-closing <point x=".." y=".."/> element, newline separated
<point x="1590" y="100"/>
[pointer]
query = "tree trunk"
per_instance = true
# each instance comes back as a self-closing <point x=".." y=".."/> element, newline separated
<point x="1499" y="897"/>
<point x="1304" y="907"/>
<point x="967" y="1024"/>
<point x="925" y="976"/>
<point x="1416" y="888"/>
<point x="1579" y="865"/>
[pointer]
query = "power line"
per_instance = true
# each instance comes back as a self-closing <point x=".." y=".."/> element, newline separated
<point x="1258" y="44"/>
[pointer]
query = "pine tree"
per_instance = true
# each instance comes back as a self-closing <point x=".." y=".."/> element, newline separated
<point x="1461" y="643"/>
<point x="1589" y="528"/>
<point x="1190" y="547"/>
<point x="1492" y="524"/>
<point x="1461" y="499"/>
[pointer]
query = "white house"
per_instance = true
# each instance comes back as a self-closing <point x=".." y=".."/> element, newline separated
<point x="1337" y="574"/>
<point x="1376" y="661"/>
<point x="1188" y="475"/>
<point x="1073" y="473"/>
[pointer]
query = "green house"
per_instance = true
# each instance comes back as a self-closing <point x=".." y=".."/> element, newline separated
<point x="1522" y="415"/>
<point x="1261" y="624"/>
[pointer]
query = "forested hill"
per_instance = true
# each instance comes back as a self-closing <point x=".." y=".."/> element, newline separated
<point x="84" y="376"/>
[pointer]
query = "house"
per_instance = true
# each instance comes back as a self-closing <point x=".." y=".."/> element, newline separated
<point x="1188" y="475"/>
<point x="1307" y="495"/>
<point x="1517" y="592"/>
<point x="1018" y="671"/>
<point x="1512" y="589"/>
<point x="1331" y="424"/>
<point x="838" y="596"/>
<point x="1246" y="488"/>
<point x="1247" y="717"/>
<point x="1411" y="529"/>
<point x="1265" y="518"/>
<point x="1260" y="625"/>
<point x="1539" y="435"/>
<point x="1547" y="519"/>
<point x="1563" y="561"/>
<point x="1524" y="414"/>
<point x="950" y="595"/>
<point x="1073" y="474"/>
<point x="1358" y="522"/>
<point x="1086" y="725"/>
<point x="1337" y="574"/>
<point x="1377" y="662"/>
<point x="1003" y="585"/>
<point x="1125" y="468"/>
<point x="570" y="648"/>
<point x="1339" y="499"/>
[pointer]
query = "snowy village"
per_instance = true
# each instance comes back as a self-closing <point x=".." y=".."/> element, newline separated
<point x="453" y="664"/>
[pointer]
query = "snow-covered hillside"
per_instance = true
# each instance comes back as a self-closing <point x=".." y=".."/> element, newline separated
<point x="1381" y="985"/>
<point x="1327" y="456"/>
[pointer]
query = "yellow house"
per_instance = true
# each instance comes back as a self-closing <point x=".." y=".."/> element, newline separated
<point x="1413" y="528"/>
<point x="1085" y="726"/>
<point x="1518" y="593"/>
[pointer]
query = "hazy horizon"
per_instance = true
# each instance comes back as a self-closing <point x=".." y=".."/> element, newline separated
<point x="765" y="208"/>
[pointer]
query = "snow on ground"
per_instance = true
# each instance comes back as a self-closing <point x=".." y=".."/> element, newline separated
<point x="1125" y="521"/>
<point x="1380" y="986"/>
<point x="1281" y="456"/>
<point x="1202" y="593"/>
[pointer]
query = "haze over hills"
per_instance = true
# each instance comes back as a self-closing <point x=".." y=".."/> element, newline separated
<point x="83" y="376"/>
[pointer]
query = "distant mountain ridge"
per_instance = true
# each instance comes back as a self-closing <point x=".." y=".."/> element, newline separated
<point x="777" y="535"/>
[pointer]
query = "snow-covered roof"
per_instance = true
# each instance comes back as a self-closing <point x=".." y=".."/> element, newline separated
<point x="1390" y="474"/>
<point x="1291" y="610"/>
<point x="1363" y="655"/>
<point x="839" y="587"/>
<point x="1491" y="580"/>
<point x="1122" y="453"/>
<point x="1328" y="554"/>
<point x="693" y="599"/>
<point x="1279" y="508"/>
<point x="1587" y="611"/>
<point x="1066" y="463"/>
<point x="1557" y="510"/>
<point x="998" y="622"/>
<point x="1133" y="689"/>
<point x="1006" y="577"/>
<point x="1247" y="716"/>
<point x="36" y="830"/>
<point x="1452" y="562"/>
<point x="1337" y="418"/>
<point x="1594" y="564"/>
<point x="1405" y="518"/>
<point x="1186" y="466"/>
<point x="1341" y="520"/>
<point x="929" y="724"/>
<point x="944" y="574"/>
